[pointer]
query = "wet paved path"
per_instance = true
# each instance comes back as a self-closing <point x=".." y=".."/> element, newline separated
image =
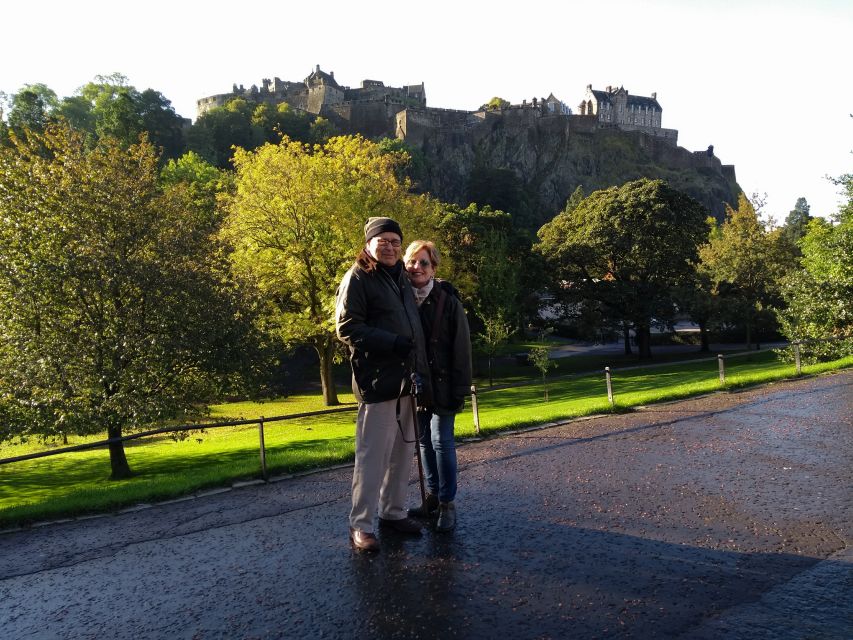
<point x="729" y="516"/>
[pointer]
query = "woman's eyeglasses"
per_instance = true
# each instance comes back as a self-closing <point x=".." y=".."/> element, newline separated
<point x="423" y="263"/>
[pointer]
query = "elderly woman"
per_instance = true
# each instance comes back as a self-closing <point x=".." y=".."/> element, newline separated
<point x="448" y="340"/>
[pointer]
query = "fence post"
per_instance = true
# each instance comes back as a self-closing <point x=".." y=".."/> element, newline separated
<point x="797" y="356"/>
<point x="721" y="363"/>
<point x="475" y="409"/>
<point x="609" y="385"/>
<point x="263" y="449"/>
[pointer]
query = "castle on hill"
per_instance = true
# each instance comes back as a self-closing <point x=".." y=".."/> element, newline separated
<point x="374" y="108"/>
<point x="548" y="146"/>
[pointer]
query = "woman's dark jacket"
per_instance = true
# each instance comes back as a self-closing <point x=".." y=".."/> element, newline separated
<point x="374" y="308"/>
<point x="448" y="350"/>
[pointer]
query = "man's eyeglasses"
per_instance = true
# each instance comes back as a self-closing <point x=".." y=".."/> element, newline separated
<point x="382" y="242"/>
<point x="423" y="263"/>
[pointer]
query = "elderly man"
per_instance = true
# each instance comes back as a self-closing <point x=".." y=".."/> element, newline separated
<point x="377" y="318"/>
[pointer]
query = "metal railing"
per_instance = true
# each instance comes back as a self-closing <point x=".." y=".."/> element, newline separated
<point x="260" y="421"/>
<point x="608" y="378"/>
<point x="475" y="402"/>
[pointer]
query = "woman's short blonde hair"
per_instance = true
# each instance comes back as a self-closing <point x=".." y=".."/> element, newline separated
<point x="419" y="245"/>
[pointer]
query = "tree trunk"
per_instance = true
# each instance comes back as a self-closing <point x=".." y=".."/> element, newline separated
<point x="626" y="334"/>
<point x="644" y="339"/>
<point x="703" y="338"/>
<point x="491" y="383"/>
<point x="326" y="353"/>
<point x="748" y="335"/>
<point x="119" y="467"/>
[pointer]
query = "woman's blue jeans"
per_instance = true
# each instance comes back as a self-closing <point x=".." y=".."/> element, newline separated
<point x="438" y="453"/>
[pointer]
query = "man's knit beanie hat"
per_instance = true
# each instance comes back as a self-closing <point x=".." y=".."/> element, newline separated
<point x="375" y="226"/>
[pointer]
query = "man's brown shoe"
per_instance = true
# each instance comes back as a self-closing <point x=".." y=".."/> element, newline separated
<point x="363" y="541"/>
<point x="403" y="525"/>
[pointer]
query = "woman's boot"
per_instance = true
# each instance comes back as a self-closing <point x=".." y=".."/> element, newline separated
<point x="446" y="517"/>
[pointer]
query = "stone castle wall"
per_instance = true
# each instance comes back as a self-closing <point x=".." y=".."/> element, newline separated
<point x="414" y="125"/>
<point x="668" y="135"/>
<point x="369" y="118"/>
<point x="313" y="96"/>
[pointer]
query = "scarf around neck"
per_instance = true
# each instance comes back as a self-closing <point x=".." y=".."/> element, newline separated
<point x="422" y="293"/>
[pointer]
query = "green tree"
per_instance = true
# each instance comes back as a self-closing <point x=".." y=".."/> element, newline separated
<point x="697" y="298"/>
<point x="496" y="103"/>
<point x="77" y="111"/>
<point x="216" y="133"/>
<point x="797" y="221"/>
<point x="322" y="130"/>
<point x="574" y="200"/>
<point x="496" y="332"/>
<point x="498" y="275"/>
<point x="625" y="248"/>
<point x="461" y="235"/>
<point x="489" y="259"/>
<point x="111" y="106"/>
<point x="743" y="261"/>
<point x="413" y="165"/>
<point x="112" y="316"/>
<point x="115" y="112"/>
<point x="819" y="297"/>
<point x="295" y="222"/>
<point x="293" y="123"/>
<point x="540" y="358"/>
<point x="282" y="120"/>
<point x="203" y="181"/>
<point x="165" y="128"/>
<point x="32" y="108"/>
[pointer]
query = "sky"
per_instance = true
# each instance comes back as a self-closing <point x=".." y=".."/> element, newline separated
<point x="766" y="82"/>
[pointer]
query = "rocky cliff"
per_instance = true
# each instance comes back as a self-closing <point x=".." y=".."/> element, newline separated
<point x="544" y="158"/>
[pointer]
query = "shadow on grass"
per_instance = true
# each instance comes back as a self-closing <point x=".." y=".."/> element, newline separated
<point x="80" y="484"/>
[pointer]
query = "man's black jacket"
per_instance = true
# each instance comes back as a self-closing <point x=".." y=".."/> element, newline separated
<point x="372" y="310"/>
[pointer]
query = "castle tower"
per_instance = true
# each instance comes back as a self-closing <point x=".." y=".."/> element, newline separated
<point x="322" y="90"/>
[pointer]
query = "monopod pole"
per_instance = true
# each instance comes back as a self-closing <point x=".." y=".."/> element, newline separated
<point x="415" y="392"/>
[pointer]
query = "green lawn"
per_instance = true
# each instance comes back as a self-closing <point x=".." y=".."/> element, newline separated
<point x="164" y="467"/>
<point x="507" y="370"/>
